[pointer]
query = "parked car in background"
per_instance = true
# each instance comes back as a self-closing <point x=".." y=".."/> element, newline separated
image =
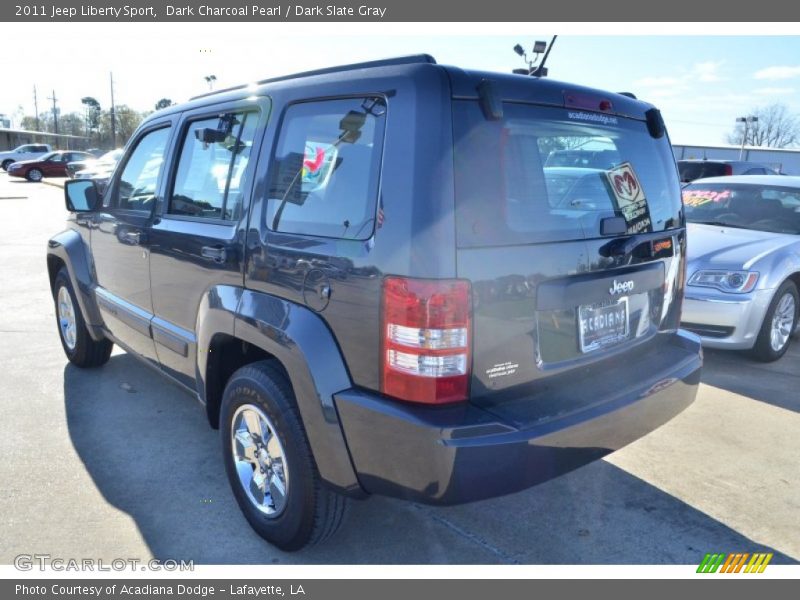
<point x="24" y="152"/>
<point x="53" y="164"/>
<point x="744" y="262"/>
<point x="691" y="169"/>
<point x="597" y="159"/>
<point x="90" y="165"/>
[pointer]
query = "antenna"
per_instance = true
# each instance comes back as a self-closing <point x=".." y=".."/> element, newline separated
<point x="539" y="47"/>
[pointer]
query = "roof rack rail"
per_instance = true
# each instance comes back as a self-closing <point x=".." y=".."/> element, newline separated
<point x="385" y="62"/>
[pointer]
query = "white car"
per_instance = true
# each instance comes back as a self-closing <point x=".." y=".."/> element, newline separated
<point x="24" y="152"/>
<point x="743" y="274"/>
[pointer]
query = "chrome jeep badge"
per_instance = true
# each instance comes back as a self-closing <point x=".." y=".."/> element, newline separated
<point x="620" y="287"/>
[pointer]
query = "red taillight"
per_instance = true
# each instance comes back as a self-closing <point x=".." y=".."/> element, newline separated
<point x="728" y="170"/>
<point x="426" y="338"/>
<point x="587" y="101"/>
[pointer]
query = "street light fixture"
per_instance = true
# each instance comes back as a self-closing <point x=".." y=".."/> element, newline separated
<point x="539" y="48"/>
<point x="210" y="79"/>
<point x="745" y="120"/>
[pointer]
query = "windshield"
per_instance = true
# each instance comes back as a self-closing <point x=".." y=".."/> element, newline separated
<point x="512" y="187"/>
<point x="47" y="156"/>
<point x="747" y="206"/>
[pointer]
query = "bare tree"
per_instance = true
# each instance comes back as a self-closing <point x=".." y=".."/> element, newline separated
<point x="776" y="127"/>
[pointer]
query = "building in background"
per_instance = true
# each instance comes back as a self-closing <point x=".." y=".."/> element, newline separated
<point x="11" y="138"/>
<point x="782" y="160"/>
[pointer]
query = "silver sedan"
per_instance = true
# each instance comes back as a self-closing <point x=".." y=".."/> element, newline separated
<point x="743" y="271"/>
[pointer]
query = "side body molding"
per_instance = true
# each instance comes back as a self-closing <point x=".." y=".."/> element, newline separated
<point x="69" y="247"/>
<point x="305" y="346"/>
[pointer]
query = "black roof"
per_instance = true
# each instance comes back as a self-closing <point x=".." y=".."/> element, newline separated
<point x="464" y="84"/>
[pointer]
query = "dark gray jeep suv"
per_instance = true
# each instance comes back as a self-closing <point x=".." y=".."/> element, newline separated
<point x="375" y="284"/>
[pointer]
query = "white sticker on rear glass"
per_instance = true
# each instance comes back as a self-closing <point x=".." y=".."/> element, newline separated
<point x="590" y="117"/>
<point x="629" y="198"/>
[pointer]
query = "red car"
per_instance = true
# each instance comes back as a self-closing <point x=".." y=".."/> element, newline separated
<point x="53" y="164"/>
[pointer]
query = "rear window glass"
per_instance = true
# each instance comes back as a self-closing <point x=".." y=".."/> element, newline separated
<point x="551" y="174"/>
<point x="698" y="170"/>
<point x="745" y="206"/>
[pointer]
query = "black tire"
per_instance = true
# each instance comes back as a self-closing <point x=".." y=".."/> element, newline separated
<point x="763" y="350"/>
<point x="34" y="175"/>
<point x="312" y="512"/>
<point x="85" y="352"/>
<point x="7" y="163"/>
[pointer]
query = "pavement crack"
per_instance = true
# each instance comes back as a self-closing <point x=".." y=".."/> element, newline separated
<point x="476" y="539"/>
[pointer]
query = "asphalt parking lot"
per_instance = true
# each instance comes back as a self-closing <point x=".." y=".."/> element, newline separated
<point x="117" y="462"/>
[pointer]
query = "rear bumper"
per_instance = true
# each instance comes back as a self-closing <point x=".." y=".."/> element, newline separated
<point x="466" y="453"/>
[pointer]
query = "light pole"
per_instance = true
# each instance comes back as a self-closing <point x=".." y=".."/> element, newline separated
<point x="745" y="120"/>
<point x="210" y="79"/>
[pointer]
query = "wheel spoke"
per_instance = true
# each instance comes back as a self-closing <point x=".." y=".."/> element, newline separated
<point x="258" y="486"/>
<point x="253" y="424"/>
<point x="277" y="491"/>
<point x="245" y="447"/>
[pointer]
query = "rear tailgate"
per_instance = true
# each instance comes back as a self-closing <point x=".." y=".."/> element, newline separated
<point x="553" y="297"/>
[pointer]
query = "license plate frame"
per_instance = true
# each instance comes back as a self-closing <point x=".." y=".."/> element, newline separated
<point x="592" y="338"/>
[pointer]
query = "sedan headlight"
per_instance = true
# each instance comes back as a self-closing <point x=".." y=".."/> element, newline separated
<point x="736" y="282"/>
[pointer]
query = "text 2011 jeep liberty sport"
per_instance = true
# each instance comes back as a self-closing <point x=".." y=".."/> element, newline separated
<point x="375" y="284"/>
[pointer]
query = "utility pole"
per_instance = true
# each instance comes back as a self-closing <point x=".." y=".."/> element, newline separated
<point x="745" y="120"/>
<point x="36" y="107"/>
<point x="113" y="115"/>
<point x="55" y="111"/>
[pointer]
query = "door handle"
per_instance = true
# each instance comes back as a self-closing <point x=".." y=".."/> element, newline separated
<point x="132" y="237"/>
<point x="215" y="253"/>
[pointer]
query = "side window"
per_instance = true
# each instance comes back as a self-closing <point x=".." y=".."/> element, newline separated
<point x="755" y="171"/>
<point x="324" y="175"/>
<point x="210" y="178"/>
<point x="137" y="184"/>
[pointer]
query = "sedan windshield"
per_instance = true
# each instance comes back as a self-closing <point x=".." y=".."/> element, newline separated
<point x="747" y="206"/>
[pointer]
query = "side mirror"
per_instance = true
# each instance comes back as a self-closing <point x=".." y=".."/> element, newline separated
<point x="81" y="195"/>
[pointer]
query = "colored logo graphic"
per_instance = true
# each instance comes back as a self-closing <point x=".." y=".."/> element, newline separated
<point x="735" y="563"/>
<point x="318" y="162"/>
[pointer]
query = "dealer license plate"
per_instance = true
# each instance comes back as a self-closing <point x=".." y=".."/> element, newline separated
<point x="601" y="325"/>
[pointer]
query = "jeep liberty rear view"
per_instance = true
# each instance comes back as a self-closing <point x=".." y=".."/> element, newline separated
<point x="384" y="278"/>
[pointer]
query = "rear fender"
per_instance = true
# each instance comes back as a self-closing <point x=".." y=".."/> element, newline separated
<point x="302" y="342"/>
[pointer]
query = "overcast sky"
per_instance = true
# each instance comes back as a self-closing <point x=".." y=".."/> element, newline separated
<point x="701" y="82"/>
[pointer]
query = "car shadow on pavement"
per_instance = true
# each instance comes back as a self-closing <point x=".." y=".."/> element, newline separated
<point x="775" y="383"/>
<point x="150" y="452"/>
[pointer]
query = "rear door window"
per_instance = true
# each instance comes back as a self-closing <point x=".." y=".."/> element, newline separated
<point x="324" y="175"/>
<point x="522" y="179"/>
